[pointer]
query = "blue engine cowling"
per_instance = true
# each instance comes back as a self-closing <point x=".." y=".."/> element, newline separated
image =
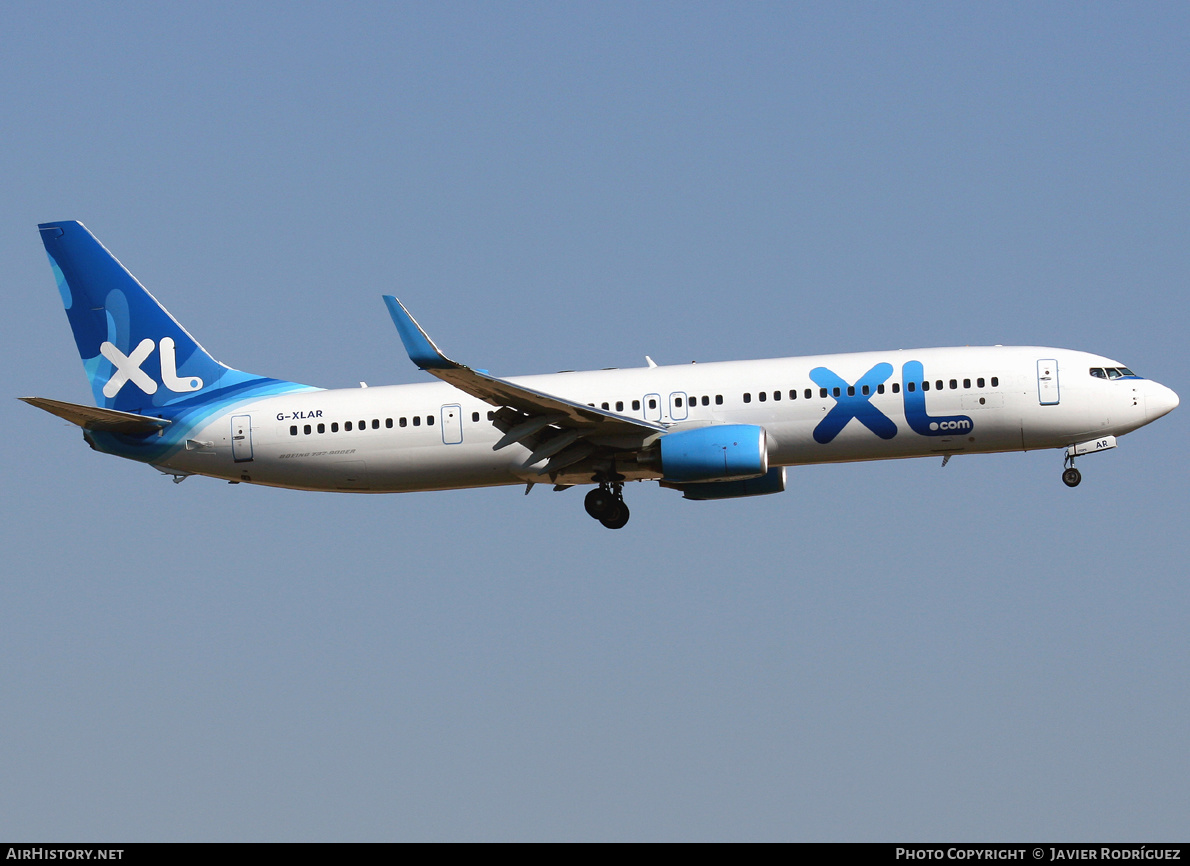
<point x="771" y="482"/>
<point x="721" y="452"/>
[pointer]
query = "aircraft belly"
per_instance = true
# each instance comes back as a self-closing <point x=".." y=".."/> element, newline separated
<point x="439" y="467"/>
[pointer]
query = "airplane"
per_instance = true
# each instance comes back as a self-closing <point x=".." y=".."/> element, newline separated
<point x="708" y="430"/>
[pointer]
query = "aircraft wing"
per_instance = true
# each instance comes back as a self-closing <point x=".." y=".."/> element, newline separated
<point x="535" y="411"/>
<point x="93" y="418"/>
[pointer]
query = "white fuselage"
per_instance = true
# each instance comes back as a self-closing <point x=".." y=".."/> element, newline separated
<point x="433" y="437"/>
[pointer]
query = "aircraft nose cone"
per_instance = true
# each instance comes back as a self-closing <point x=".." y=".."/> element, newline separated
<point x="1160" y="401"/>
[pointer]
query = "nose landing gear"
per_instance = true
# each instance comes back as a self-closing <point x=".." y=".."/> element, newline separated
<point x="1071" y="476"/>
<point x="606" y="504"/>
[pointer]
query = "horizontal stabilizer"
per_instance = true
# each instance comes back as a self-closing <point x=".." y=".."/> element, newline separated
<point x="92" y="418"/>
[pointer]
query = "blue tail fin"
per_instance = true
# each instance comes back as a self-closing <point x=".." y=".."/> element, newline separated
<point x="137" y="357"/>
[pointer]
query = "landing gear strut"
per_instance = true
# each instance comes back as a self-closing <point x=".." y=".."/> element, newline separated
<point x="606" y="504"/>
<point x="1071" y="476"/>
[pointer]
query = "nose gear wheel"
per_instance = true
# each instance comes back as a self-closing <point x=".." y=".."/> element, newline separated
<point x="1071" y="476"/>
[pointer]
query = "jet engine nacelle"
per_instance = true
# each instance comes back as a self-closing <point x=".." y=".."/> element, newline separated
<point x="721" y="452"/>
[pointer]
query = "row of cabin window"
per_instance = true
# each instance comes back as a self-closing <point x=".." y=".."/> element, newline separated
<point x="307" y="429"/>
<point x="678" y="401"/>
<point x="363" y="424"/>
<point x="693" y="401"/>
<point x="866" y="390"/>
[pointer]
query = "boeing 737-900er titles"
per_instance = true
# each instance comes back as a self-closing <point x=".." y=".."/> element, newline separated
<point x="713" y="431"/>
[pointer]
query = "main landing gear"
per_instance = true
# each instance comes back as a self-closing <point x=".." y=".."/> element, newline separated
<point x="606" y="504"/>
<point x="1071" y="476"/>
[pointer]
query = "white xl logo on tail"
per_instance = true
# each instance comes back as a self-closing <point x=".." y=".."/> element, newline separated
<point x="128" y="369"/>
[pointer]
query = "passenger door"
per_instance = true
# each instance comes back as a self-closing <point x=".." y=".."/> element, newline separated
<point x="241" y="438"/>
<point x="1047" y="382"/>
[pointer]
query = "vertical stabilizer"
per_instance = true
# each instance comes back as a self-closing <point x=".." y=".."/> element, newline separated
<point x="137" y="357"/>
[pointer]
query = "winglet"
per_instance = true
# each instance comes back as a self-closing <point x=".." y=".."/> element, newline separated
<point x="420" y="347"/>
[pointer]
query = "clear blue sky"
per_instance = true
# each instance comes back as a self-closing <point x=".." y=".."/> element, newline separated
<point x="884" y="652"/>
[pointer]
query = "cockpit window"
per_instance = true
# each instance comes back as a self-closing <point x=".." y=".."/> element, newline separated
<point x="1113" y="373"/>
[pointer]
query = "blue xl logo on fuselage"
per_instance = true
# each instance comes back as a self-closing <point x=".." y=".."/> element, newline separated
<point x="855" y="401"/>
<point x="920" y="421"/>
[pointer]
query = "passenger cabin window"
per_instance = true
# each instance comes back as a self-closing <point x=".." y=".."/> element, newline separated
<point x="925" y="385"/>
<point x="718" y="399"/>
<point x="619" y="405"/>
<point x="966" y="384"/>
<point x="388" y="423"/>
<point x="850" y="390"/>
<point x="821" y="393"/>
<point x="911" y="387"/>
<point x="706" y="401"/>
<point x="375" y="423"/>
<point x="763" y="396"/>
<point x="747" y="398"/>
<point x="321" y="428"/>
<point x="995" y="382"/>
<point x="809" y="395"/>
<point x="401" y="422"/>
<point x="306" y="429"/>
<point x="474" y="416"/>
<point x="347" y="426"/>
<point x="836" y="392"/>
<point x="896" y="387"/>
<point x="979" y="382"/>
<point x="879" y="388"/>
<point x="416" y="420"/>
<point x="429" y="420"/>
<point x="636" y="405"/>
<point x="334" y="426"/>
<point x="792" y="393"/>
<point x="652" y="403"/>
<point x="605" y="406"/>
<point x="776" y="395"/>
<point x="293" y="430"/>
